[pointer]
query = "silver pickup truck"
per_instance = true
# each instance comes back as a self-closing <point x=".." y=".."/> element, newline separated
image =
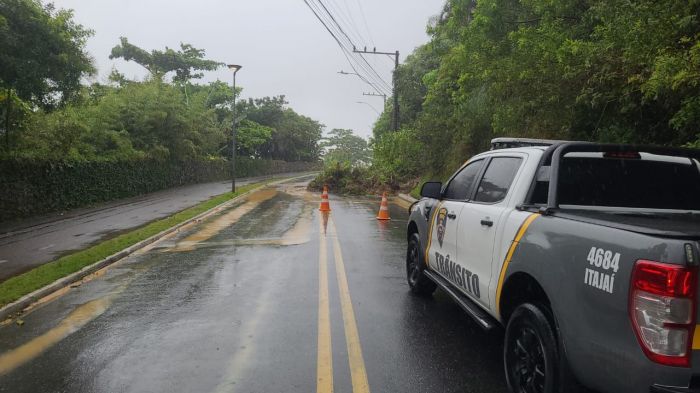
<point x="586" y="253"/>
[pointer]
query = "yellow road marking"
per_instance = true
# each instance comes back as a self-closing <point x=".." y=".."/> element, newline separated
<point x="211" y="229"/>
<point x="358" y="372"/>
<point x="324" y="367"/>
<point x="80" y="317"/>
<point x="509" y="256"/>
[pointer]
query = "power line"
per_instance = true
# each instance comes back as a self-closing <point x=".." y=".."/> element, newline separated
<point x="344" y="41"/>
<point x="317" y="12"/>
<point x="347" y="19"/>
<point x="364" y="20"/>
<point x="368" y="67"/>
<point x="337" y="40"/>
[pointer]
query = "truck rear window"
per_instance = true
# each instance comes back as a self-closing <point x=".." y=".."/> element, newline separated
<point x="634" y="183"/>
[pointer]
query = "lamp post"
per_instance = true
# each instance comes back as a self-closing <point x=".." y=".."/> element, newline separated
<point x="235" y="68"/>
<point x="369" y="105"/>
<point x="362" y="78"/>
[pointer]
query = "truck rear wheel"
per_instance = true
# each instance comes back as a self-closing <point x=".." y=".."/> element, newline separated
<point x="530" y="352"/>
<point x="417" y="281"/>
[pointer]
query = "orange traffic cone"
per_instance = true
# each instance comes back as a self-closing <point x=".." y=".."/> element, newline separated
<point x="325" y="206"/>
<point x="383" y="209"/>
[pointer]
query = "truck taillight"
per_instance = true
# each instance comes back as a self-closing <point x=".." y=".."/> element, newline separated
<point x="662" y="309"/>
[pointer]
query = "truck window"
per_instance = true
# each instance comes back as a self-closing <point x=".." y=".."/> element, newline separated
<point x="634" y="183"/>
<point x="497" y="179"/>
<point x="460" y="185"/>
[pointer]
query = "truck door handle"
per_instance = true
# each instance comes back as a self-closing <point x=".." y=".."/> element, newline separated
<point x="451" y="216"/>
<point x="487" y="222"/>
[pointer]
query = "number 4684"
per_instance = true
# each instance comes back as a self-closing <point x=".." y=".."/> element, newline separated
<point x="599" y="257"/>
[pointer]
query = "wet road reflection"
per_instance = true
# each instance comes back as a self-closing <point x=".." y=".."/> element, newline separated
<point x="234" y="305"/>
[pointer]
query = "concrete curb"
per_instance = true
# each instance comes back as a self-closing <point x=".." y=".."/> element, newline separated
<point x="407" y="198"/>
<point x="11" y="310"/>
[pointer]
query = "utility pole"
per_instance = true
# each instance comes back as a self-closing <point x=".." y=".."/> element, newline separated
<point x="395" y="118"/>
<point x="376" y="95"/>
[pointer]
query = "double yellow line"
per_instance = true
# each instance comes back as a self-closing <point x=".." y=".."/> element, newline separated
<point x="324" y="369"/>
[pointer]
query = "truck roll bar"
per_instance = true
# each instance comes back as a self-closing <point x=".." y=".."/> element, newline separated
<point x="554" y="154"/>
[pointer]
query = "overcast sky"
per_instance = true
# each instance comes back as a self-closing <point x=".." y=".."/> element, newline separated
<point x="283" y="48"/>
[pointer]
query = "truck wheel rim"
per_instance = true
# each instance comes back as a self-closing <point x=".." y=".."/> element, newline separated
<point x="527" y="363"/>
<point x="413" y="268"/>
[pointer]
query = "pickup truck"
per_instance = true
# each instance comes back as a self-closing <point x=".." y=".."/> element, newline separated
<point x="587" y="254"/>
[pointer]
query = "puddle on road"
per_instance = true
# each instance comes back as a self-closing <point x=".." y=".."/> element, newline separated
<point x="299" y="233"/>
<point x="299" y="190"/>
<point x="212" y="228"/>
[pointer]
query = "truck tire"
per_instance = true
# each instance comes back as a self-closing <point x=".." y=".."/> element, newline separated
<point x="417" y="281"/>
<point x="530" y="352"/>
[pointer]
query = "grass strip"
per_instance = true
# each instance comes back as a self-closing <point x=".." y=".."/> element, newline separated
<point x="26" y="283"/>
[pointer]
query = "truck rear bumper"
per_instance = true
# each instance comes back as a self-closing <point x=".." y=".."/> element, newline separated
<point x="671" y="389"/>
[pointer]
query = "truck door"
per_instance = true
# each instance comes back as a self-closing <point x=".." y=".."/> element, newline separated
<point x="442" y="249"/>
<point x="479" y="222"/>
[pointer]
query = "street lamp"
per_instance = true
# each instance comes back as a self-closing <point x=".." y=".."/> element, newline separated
<point x="362" y="78"/>
<point x="235" y="68"/>
<point x="349" y="73"/>
<point x="369" y="105"/>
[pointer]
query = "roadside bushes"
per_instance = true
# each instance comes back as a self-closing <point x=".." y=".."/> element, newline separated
<point x="399" y="160"/>
<point x="342" y="178"/>
<point x="32" y="186"/>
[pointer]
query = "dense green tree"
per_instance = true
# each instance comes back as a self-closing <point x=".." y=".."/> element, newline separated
<point x="251" y="137"/>
<point x="295" y="137"/>
<point x="143" y="118"/>
<point x="602" y="70"/>
<point x="344" y="146"/>
<point x="42" y="58"/>
<point x="184" y="62"/>
<point x="154" y="119"/>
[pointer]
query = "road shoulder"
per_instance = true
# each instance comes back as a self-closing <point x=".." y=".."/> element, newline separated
<point x="18" y="293"/>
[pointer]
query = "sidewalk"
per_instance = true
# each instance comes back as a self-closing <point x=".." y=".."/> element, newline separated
<point x="27" y="244"/>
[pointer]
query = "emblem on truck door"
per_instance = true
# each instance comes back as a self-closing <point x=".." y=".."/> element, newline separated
<point x="441" y="224"/>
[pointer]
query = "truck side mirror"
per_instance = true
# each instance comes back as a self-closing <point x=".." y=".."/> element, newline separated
<point x="431" y="189"/>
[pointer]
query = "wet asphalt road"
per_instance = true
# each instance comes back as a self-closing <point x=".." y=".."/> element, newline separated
<point x="256" y="299"/>
<point x="29" y="243"/>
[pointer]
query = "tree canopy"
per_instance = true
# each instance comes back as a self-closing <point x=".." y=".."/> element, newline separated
<point x="344" y="146"/>
<point x="603" y="70"/>
<point x="43" y="52"/>
<point x="42" y="60"/>
<point x="173" y="119"/>
<point x="295" y="137"/>
<point x="184" y="63"/>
